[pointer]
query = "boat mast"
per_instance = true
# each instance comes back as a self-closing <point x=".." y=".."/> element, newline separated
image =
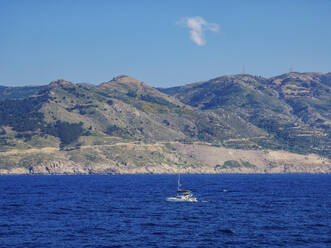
<point x="178" y="183"/>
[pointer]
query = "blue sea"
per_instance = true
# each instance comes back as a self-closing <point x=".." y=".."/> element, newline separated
<point x="132" y="211"/>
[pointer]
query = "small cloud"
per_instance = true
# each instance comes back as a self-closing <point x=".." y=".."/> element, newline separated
<point x="197" y="26"/>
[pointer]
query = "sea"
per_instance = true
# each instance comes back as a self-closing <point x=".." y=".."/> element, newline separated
<point x="285" y="210"/>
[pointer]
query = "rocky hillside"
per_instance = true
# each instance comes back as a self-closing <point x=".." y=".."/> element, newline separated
<point x="294" y="109"/>
<point x="126" y="126"/>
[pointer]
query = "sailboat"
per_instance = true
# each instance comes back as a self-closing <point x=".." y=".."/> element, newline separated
<point x="182" y="195"/>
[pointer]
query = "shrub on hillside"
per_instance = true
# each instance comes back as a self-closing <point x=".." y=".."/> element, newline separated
<point x="67" y="132"/>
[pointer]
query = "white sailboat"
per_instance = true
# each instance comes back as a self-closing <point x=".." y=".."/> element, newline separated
<point x="182" y="195"/>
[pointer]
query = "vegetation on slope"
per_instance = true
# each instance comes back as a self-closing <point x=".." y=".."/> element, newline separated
<point x="289" y="112"/>
<point x="293" y="109"/>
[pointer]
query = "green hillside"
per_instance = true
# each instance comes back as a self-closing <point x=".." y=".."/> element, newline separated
<point x="82" y="123"/>
<point x="18" y="92"/>
<point x="121" y="109"/>
<point x="293" y="109"/>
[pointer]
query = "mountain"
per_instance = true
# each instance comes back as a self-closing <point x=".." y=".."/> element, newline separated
<point x="293" y="109"/>
<point x="18" y="92"/>
<point x="126" y="126"/>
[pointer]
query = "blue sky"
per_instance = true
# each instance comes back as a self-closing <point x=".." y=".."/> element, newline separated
<point x="93" y="41"/>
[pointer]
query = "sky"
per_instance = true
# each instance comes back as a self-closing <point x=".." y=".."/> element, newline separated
<point x="163" y="43"/>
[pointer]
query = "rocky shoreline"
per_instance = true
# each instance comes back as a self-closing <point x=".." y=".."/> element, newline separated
<point x="160" y="159"/>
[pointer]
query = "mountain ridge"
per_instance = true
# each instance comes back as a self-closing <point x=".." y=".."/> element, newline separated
<point x="289" y="112"/>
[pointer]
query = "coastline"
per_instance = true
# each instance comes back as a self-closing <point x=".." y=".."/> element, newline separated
<point x="160" y="158"/>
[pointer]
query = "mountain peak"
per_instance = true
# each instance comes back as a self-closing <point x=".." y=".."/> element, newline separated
<point x="60" y="82"/>
<point x="123" y="83"/>
<point x="125" y="79"/>
<point x="297" y="76"/>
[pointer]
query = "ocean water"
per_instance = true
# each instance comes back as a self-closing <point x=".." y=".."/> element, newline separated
<point x="132" y="211"/>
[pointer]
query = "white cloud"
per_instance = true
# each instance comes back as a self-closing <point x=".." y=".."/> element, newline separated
<point x="197" y="26"/>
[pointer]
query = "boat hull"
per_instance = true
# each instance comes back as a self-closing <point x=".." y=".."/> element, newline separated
<point x="177" y="199"/>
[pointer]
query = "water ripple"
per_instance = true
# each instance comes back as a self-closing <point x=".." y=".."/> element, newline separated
<point x="131" y="211"/>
